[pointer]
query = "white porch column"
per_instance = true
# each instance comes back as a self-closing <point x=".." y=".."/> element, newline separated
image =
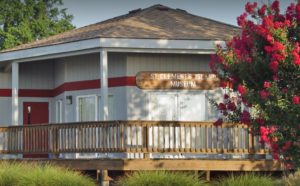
<point x="104" y="85"/>
<point x="15" y="94"/>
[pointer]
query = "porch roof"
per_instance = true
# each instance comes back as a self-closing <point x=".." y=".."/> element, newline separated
<point x="155" y="22"/>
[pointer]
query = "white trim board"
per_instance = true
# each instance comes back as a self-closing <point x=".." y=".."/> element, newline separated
<point x="133" y="45"/>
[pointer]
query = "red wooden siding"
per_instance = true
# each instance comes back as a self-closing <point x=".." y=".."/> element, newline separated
<point x="71" y="86"/>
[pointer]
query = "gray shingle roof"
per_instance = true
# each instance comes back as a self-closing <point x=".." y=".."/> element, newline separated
<point x="155" y="22"/>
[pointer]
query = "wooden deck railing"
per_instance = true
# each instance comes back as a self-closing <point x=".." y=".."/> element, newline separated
<point x="130" y="136"/>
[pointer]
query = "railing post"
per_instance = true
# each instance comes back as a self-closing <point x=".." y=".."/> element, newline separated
<point x="145" y="133"/>
<point x="9" y="141"/>
<point x="53" y="142"/>
<point x="251" y="146"/>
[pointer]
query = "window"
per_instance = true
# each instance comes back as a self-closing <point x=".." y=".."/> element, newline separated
<point x="87" y="110"/>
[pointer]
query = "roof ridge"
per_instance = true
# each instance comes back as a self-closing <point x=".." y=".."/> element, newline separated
<point x="216" y="21"/>
<point x="209" y="19"/>
<point x="127" y="15"/>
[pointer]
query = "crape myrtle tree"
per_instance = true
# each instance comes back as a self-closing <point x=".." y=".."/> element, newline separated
<point x="23" y="21"/>
<point x="260" y="71"/>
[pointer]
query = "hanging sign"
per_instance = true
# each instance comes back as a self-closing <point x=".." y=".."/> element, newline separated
<point x="177" y="80"/>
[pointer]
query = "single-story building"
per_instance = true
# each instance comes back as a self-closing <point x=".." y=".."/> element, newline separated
<point x="150" y="64"/>
<point x="138" y="85"/>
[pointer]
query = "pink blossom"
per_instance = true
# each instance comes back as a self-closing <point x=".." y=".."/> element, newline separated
<point x="296" y="100"/>
<point x="275" y="6"/>
<point x="241" y="20"/>
<point x="277" y="46"/>
<point x="242" y="89"/>
<point x="262" y="10"/>
<point x="278" y="57"/>
<point x="249" y="7"/>
<point x="269" y="38"/>
<point x="264" y="134"/>
<point x="267" y="84"/>
<point x="264" y="94"/>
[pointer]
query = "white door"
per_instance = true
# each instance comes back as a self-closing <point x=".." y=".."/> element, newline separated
<point x="192" y="107"/>
<point x="164" y="107"/>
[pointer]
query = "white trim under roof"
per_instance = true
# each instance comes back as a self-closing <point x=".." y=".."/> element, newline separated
<point x="112" y="44"/>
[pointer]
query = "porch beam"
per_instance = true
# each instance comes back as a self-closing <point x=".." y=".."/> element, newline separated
<point x="104" y="85"/>
<point x="116" y="49"/>
<point x="15" y="94"/>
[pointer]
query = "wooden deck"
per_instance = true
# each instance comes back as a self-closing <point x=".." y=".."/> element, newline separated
<point x="147" y="138"/>
<point x="162" y="164"/>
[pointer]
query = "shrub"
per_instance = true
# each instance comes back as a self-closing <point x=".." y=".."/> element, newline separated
<point x="160" y="178"/>
<point x="259" y="70"/>
<point x="247" y="179"/>
<point x="292" y="179"/>
<point x="22" y="174"/>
